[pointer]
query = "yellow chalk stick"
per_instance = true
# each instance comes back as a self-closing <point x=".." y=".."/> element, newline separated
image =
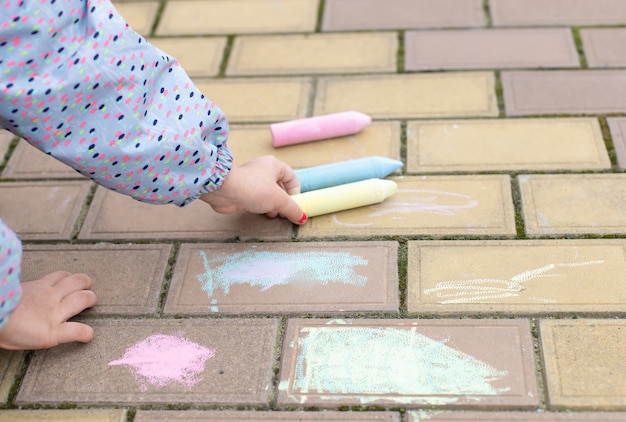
<point x="344" y="197"/>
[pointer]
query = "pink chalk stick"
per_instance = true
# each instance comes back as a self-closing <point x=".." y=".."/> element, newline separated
<point x="320" y="127"/>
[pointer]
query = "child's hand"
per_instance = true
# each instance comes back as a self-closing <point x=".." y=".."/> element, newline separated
<point x="40" y="320"/>
<point x="259" y="186"/>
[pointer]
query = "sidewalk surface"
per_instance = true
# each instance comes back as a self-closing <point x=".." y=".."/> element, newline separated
<point x="491" y="286"/>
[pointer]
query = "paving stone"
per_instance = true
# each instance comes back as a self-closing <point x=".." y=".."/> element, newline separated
<point x="117" y="217"/>
<point x="186" y="51"/>
<point x="5" y="141"/>
<point x="584" y="364"/>
<point x="604" y="47"/>
<point x="506" y="144"/>
<point x="259" y="100"/>
<point x="10" y="366"/>
<point x="422" y="416"/>
<point x="253" y="416"/>
<point x="139" y="15"/>
<point x="339" y="15"/>
<point x="557" y="12"/>
<point x="42" y="210"/>
<point x="490" y="48"/>
<point x="66" y="415"/>
<point x="408" y="363"/>
<point x="618" y="132"/>
<point x="573" y="203"/>
<point x="28" y="162"/>
<point x="314" y="53"/>
<point x="127" y="278"/>
<point x="190" y="361"/>
<point x="467" y="94"/>
<point x="564" y="92"/>
<point x="380" y="138"/>
<point x="181" y="17"/>
<point x="428" y="205"/>
<point x="278" y="278"/>
<point x="517" y="276"/>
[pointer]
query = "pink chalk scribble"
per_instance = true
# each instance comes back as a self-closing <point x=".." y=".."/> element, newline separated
<point x="162" y="359"/>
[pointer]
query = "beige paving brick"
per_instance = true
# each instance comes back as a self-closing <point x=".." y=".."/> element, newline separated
<point x="506" y="144"/>
<point x="516" y="276"/>
<point x="182" y="17"/>
<point x="42" y="210"/>
<point x="341" y="15"/>
<point x="278" y="278"/>
<point x="190" y="361"/>
<point x="10" y="367"/>
<point x="617" y="126"/>
<point x="490" y="48"/>
<point x="115" y="216"/>
<point x="583" y="363"/>
<point x="5" y="142"/>
<point x="468" y="94"/>
<point x="573" y="204"/>
<point x="539" y="416"/>
<point x="259" y="100"/>
<point x="28" y="162"/>
<point x="140" y="15"/>
<point x="564" y="92"/>
<point x="199" y="56"/>
<point x="65" y="415"/>
<point x="314" y="53"/>
<point x="604" y="47"/>
<point x="261" y="416"/>
<point x="127" y="278"/>
<point x="429" y="205"/>
<point x="380" y="138"/>
<point x="557" y="12"/>
<point x="407" y="363"/>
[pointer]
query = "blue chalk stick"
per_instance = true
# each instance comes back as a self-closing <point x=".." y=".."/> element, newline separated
<point x="328" y="175"/>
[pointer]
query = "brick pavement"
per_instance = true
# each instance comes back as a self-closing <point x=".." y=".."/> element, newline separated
<point x="491" y="287"/>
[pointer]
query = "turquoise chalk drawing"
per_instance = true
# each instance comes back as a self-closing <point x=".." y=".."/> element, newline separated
<point x="492" y="290"/>
<point x="269" y="269"/>
<point x="370" y="362"/>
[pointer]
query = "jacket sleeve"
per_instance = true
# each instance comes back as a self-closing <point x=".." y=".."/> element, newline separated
<point x="10" y="260"/>
<point x="77" y="83"/>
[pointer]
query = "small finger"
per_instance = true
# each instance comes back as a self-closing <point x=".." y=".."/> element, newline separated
<point x="76" y="302"/>
<point x="73" y="283"/>
<point x="74" y="331"/>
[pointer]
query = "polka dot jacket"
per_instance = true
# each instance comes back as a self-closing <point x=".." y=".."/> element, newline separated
<point x="79" y="84"/>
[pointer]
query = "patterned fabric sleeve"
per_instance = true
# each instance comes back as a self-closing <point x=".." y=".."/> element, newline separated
<point x="80" y="85"/>
<point x="10" y="259"/>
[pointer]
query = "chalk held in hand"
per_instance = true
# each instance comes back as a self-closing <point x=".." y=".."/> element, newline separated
<point x="320" y="127"/>
<point x="345" y="197"/>
<point x="334" y="174"/>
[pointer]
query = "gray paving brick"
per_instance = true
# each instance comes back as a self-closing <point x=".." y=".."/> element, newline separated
<point x="422" y="416"/>
<point x="261" y="416"/>
<point x="564" y="92"/>
<point x="557" y="12"/>
<point x="10" y="366"/>
<point x="42" y="210"/>
<point x="583" y="363"/>
<point x="505" y="144"/>
<point x="339" y="15"/>
<point x="490" y="48"/>
<point x="604" y="47"/>
<point x="618" y="133"/>
<point x="548" y="202"/>
<point x="225" y="361"/>
<point x="65" y="415"/>
<point x="408" y="363"/>
<point x="28" y="162"/>
<point x="516" y="276"/>
<point x="127" y="278"/>
<point x="278" y="278"/>
<point x="115" y="216"/>
<point x="428" y="205"/>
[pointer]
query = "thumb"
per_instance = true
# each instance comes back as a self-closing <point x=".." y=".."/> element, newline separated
<point x="289" y="209"/>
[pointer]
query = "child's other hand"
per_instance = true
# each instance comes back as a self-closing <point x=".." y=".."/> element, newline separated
<point x="260" y="186"/>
